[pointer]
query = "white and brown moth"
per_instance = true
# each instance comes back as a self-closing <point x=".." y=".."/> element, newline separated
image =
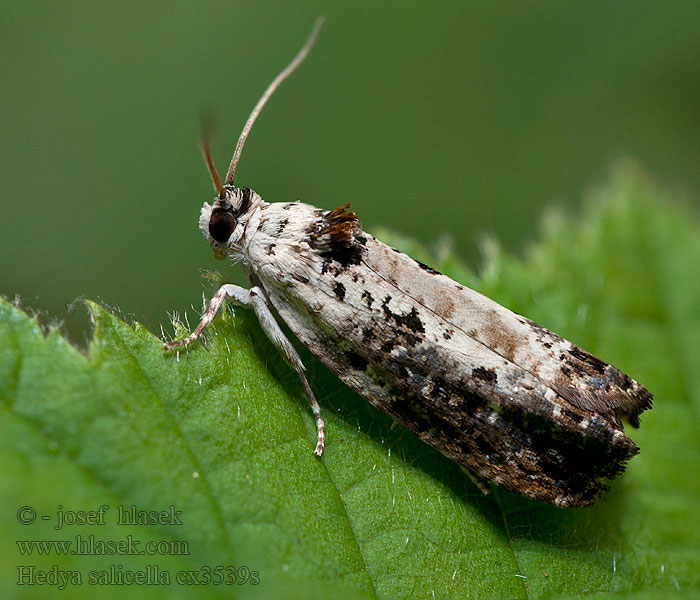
<point x="502" y="396"/>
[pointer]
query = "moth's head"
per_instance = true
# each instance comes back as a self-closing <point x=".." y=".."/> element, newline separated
<point x="223" y="222"/>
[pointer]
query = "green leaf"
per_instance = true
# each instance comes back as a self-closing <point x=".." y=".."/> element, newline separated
<point x="222" y="432"/>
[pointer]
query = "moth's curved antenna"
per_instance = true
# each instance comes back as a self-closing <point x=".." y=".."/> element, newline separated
<point x="212" y="169"/>
<point x="291" y="67"/>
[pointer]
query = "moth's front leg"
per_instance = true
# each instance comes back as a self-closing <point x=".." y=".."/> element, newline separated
<point x="256" y="299"/>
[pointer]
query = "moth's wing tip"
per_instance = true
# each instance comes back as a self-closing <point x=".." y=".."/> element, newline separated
<point x="614" y="394"/>
<point x="640" y="399"/>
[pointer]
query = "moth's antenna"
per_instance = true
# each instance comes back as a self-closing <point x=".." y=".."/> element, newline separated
<point x="291" y="67"/>
<point x="212" y="169"/>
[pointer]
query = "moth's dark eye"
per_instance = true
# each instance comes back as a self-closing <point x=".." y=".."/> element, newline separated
<point x="221" y="224"/>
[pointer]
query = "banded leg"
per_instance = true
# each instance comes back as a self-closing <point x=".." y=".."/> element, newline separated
<point x="255" y="297"/>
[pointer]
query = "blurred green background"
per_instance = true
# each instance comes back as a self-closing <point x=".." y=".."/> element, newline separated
<point x="454" y="117"/>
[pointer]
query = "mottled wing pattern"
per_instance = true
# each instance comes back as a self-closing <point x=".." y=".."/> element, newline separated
<point x="499" y="394"/>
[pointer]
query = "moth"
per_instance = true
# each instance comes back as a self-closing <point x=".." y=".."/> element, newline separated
<point x="507" y="399"/>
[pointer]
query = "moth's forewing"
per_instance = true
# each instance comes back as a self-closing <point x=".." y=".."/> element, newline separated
<point x="499" y="394"/>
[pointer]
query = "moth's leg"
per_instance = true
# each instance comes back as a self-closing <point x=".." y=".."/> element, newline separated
<point x="478" y="481"/>
<point x="255" y="297"/>
<point x="260" y="304"/>
<point x="207" y="317"/>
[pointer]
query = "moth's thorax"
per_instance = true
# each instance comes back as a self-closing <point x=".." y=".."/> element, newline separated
<point x="285" y="224"/>
<point x="229" y="223"/>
